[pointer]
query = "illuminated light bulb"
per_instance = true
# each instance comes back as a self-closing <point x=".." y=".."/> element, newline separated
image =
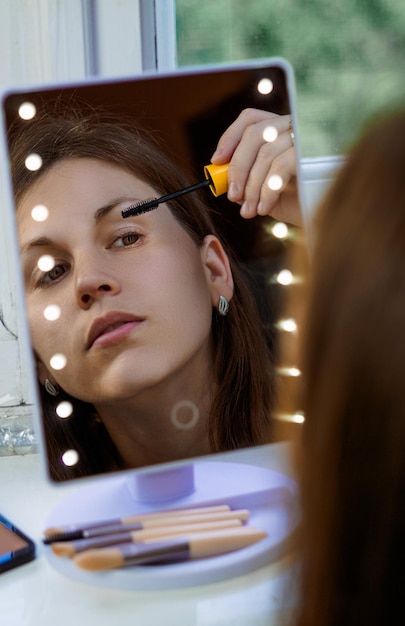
<point x="70" y="457"/>
<point x="46" y="262"/>
<point x="270" y="134"/>
<point x="39" y="213"/>
<point x="58" y="361"/>
<point x="64" y="409"/>
<point x="52" y="312"/>
<point x="33" y="162"/>
<point x="27" y="110"/>
<point x="289" y="325"/>
<point x="265" y="86"/>
<point x="297" y="418"/>
<point x="285" y="277"/>
<point x="280" y="230"/>
<point x="275" y="182"/>
<point x="289" y="371"/>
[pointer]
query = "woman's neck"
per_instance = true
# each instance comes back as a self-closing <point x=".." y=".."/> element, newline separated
<point x="159" y="427"/>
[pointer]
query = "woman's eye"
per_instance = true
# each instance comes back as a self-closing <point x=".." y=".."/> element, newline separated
<point x="54" y="274"/>
<point x="126" y="240"/>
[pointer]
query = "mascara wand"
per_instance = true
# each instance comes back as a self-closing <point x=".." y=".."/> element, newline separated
<point x="216" y="179"/>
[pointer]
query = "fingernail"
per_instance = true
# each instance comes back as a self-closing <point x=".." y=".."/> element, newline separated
<point x="260" y="209"/>
<point x="232" y="191"/>
<point x="217" y="154"/>
<point x="244" y="210"/>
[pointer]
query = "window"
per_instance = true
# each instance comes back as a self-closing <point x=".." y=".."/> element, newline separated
<point x="348" y="56"/>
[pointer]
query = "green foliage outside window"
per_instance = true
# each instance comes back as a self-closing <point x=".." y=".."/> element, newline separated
<point x="348" y="55"/>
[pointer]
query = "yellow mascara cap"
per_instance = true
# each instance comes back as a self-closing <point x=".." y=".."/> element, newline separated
<point x="217" y="175"/>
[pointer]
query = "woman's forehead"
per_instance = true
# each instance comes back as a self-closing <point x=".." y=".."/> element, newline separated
<point x="90" y="181"/>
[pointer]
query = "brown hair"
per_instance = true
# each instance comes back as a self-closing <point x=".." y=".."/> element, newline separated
<point x="352" y="470"/>
<point x="241" y="411"/>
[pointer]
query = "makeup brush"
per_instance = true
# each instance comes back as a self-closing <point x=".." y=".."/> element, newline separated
<point x="194" y="546"/>
<point x="140" y="517"/>
<point x="139" y="522"/>
<point x="70" y="548"/>
<point x="216" y="178"/>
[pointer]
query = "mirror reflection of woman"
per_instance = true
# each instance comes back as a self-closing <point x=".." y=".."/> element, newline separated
<point x="156" y="369"/>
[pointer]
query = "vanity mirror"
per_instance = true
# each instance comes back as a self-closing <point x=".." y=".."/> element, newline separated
<point x="153" y="330"/>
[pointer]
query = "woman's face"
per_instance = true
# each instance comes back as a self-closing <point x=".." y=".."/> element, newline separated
<point x="135" y="295"/>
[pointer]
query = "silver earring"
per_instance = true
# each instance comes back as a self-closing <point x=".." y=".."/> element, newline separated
<point x="223" y="305"/>
<point x="50" y="388"/>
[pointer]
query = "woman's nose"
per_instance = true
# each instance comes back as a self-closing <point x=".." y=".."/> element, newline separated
<point x="93" y="283"/>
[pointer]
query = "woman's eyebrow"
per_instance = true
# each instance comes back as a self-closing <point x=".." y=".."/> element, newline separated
<point x="100" y="213"/>
<point x="41" y="242"/>
<point x="107" y="208"/>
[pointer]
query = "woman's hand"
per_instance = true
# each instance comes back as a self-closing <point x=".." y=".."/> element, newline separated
<point x="259" y="146"/>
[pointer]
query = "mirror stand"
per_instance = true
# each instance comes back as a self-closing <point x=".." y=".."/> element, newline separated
<point x="162" y="486"/>
<point x="268" y="495"/>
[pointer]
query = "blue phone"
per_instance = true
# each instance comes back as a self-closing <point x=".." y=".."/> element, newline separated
<point x="16" y="547"/>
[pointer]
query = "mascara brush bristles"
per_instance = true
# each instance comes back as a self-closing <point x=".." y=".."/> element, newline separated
<point x="141" y="207"/>
<point x="152" y="203"/>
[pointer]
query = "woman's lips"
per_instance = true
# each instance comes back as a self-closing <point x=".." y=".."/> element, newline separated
<point x="114" y="335"/>
<point x="110" y="329"/>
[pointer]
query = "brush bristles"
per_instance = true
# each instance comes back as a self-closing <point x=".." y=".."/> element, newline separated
<point x="69" y="535"/>
<point x="141" y="207"/>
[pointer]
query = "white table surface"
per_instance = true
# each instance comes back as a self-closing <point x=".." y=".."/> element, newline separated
<point x="35" y="594"/>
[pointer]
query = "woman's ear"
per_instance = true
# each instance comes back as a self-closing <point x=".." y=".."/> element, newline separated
<point x="217" y="268"/>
